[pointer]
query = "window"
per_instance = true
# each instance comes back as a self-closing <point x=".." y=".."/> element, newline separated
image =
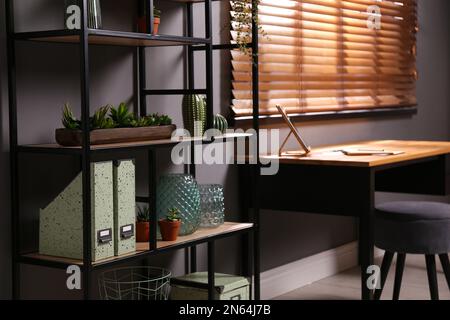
<point x="330" y="55"/>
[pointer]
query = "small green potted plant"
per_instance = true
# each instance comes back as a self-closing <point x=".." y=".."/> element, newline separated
<point x="170" y="227"/>
<point x="142" y="22"/>
<point x="156" y="20"/>
<point x="142" y="224"/>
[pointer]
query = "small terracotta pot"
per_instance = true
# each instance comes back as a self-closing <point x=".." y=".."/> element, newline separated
<point x="156" y="23"/>
<point x="142" y="231"/>
<point x="169" y="229"/>
<point x="142" y="25"/>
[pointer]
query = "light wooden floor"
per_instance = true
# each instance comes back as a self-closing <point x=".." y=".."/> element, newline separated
<point x="346" y="285"/>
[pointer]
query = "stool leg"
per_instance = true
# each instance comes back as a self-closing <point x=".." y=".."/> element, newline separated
<point x="432" y="277"/>
<point x="385" y="265"/>
<point x="401" y="257"/>
<point x="446" y="266"/>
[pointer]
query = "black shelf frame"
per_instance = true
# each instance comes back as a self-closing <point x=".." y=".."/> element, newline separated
<point x="86" y="153"/>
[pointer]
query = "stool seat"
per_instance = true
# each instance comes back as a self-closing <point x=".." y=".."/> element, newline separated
<point x="415" y="227"/>
<point x="414" y="210"/>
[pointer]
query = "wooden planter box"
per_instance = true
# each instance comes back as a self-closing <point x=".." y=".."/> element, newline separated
<point x="72" y="138"/>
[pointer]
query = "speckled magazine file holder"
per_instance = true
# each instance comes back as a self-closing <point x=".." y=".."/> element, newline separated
<point x="61" y="222"/>
<point x="124" y="207"/>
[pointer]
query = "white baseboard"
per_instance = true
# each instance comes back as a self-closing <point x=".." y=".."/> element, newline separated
<point x="281" y="280"/>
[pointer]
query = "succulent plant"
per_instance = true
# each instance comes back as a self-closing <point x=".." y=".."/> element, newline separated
<point x="143" y="213"/>
<point x="69" y="120"/>
<point x="220" y="123"/>
<point x="156" y="12"/>
<point x="100" y="119"/>
<point x="121" y="116"/>
<point x="173" y="215"/>
<point x="158" y="120"/>
<point x="194" y="114"/>
<point x="165" y="120"/>
<point x="138" y="122"/>
<point x="150" y="120"/>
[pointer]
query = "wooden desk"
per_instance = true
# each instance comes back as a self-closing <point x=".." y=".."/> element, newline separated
<point x="328" y="182"/>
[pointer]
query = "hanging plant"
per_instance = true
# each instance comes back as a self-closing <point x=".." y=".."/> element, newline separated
<point x="244" y="19"/>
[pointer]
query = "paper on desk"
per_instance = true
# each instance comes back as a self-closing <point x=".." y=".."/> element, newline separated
<point x="370" y="152"/>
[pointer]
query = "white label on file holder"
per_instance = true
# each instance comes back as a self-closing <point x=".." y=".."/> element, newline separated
<point x="127" y="228"/>
<point x="104" y="233"/>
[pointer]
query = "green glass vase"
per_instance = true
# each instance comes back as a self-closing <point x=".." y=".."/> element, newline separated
<point x="179" y="191"/>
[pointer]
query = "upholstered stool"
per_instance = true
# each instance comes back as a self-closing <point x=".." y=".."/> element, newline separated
<point x="413" y="227"/>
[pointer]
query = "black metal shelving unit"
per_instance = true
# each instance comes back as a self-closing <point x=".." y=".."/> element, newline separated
<point x="84" y="38"/>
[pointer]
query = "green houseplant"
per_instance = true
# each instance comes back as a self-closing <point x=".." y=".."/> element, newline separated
<point x="156" y="20"/>
<point x="243" y="20"/>
<point x="142" y="224"/>
<point x="142" y="20"/>
<point x="220" y="123"/>
<point x="114" y="125"/>
<point x="194" y="114"/>
<point x="170" y="226"/>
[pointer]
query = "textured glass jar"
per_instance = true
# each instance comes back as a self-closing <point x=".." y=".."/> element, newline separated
<point x="94" y="14"/>
<point x="179" y="191"/>
<point x="212" y="205"/>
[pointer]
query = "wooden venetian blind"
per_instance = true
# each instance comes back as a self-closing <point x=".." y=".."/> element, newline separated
<point x="321" y="55"/>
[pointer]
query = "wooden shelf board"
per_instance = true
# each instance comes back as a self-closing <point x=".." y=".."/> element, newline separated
<point x="142" y="247"/>
<point x="203" y="233"/>
<point x="110" y="37"/>
<point x="189" y="1"/>
<point x="78" y="262"/>
<point x="54" y="146"/>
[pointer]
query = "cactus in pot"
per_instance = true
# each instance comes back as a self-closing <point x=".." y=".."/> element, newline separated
<point x="220" y="123"/>
<point x="194" y="114"/>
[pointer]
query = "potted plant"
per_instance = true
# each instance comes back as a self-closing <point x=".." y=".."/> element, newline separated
<point x="114" y="125"/>
<point x="170" y="227"/>
<point x="142" y="224"/>
<point x="142" y="22"/>
<point x="156" y="20"/>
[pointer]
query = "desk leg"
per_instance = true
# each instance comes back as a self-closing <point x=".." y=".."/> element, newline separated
<point x="366" y="233"/>
<point x="256" y="234"/>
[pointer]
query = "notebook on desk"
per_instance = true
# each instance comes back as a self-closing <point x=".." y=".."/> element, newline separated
<point x="369" y="152"/>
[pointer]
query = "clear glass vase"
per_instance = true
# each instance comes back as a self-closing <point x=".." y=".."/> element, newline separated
<point x="179" y="191"/>
<point x="212" y="205"/>
<point x="72" y="21"/>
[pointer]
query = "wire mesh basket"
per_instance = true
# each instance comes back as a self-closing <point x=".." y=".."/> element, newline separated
<point x="135" y="283"/>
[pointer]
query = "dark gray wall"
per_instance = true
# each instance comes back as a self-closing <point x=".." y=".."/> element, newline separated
<point x="48" y="77"/>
